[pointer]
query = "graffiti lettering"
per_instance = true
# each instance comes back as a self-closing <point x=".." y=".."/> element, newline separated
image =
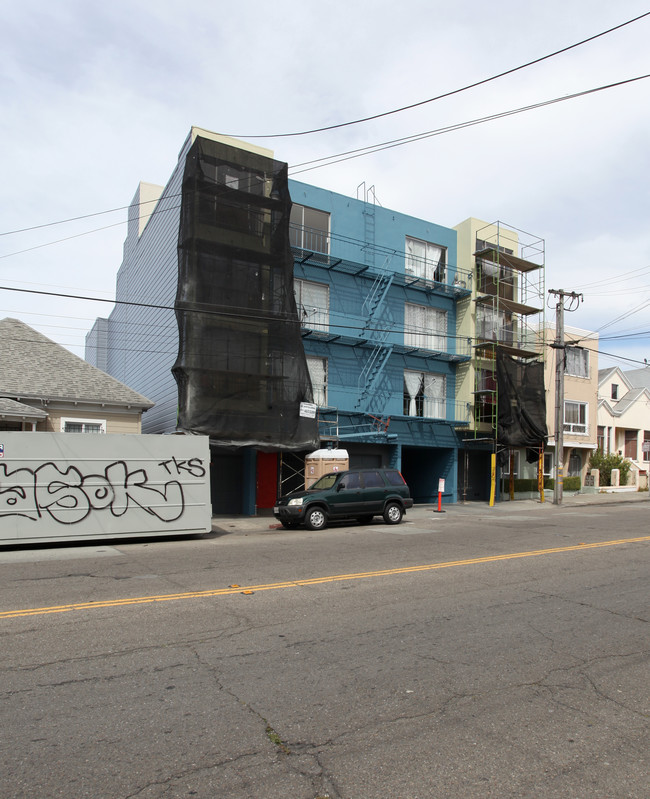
<point x="68" y="496"/>
<point x="193" y="466"/>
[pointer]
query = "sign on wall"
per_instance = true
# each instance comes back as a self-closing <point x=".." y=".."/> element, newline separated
<point x="71" y="486"/>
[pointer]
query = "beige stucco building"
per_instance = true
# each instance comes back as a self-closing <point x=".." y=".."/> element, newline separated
<point x="580" y="413"/>
<point x="624" y="419"/>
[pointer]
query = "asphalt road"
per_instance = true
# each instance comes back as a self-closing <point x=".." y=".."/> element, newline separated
<point x="472" y="654"/>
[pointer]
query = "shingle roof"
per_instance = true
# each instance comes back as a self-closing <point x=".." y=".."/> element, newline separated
<point x="639" y="378"/>
<point x="9" y="407"/>
<point x="32" y="365"/>
<point x="604" y="374"/>
<point x="626" y="401"/>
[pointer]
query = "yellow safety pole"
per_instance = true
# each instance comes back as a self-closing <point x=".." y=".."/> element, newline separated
<point x="493" y="477"/>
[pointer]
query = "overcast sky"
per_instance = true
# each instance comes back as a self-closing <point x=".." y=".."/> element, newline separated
<point x="98" y="96"/>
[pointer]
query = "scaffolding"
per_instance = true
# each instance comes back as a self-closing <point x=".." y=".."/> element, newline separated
<point x="508" y="312"/>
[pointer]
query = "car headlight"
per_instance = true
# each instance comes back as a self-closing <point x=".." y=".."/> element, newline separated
<point x="297" y="501"/>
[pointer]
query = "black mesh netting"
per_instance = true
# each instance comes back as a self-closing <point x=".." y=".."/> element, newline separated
<point x="241" y="367"/>
<point x="522" y="403"/>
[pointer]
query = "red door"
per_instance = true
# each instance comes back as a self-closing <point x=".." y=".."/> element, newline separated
<point x="267" y="479"/>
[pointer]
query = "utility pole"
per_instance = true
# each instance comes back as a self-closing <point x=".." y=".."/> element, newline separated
<point x="560" y="361"/>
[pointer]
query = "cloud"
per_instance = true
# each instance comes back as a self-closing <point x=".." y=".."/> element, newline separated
<point x="98" y="97"/>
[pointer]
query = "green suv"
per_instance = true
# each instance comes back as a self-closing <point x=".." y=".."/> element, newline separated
<point x="355" y="494"/>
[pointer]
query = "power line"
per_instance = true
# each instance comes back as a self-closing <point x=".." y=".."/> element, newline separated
<point x="318" y="163"/>
<point x="78" y="218"/>
<point x="238" y="313"/>
<point x="446" y="94"/>
<point x="607" y="280"/>
<point x="375" y="148"/>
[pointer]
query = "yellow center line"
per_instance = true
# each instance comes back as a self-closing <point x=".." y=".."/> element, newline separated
<point x="142" y="600"/>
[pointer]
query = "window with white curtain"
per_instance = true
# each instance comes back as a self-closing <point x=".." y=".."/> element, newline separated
<point x="493" y="325"/>
<point x="425" y="260"/>
<point x="313" y="304"/>
<point x="318" y="375"/>
<point x="577" y="362"/>
<point x="424" y="327"/>
<point x="575" y="417"/>
<point x="425" y="394"/>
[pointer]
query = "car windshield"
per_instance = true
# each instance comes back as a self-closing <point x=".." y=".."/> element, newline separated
<point x="326" y="481"/>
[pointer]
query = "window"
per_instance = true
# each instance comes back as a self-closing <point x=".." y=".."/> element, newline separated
<point x="615" y="391"/>
<point x="646" y="445"/>
<point x="601" y="439"/>
<point x="350" y="481"/>
<point x="548" y="464"/>
<point x="485" y="402"/>
<point x="373" y="480"/>
<point x="318" y="374"/>
<point x="425" y="327"/>
<point x="575" y="464"/>
<point x="496" y="279"/>
<point x="312" y="302"/>
<point x="309" y="229"/>
<point x="394" y="477"/>
<point x="493" y="325"/>
<point x="575" y="417"/>
<point x="425" y="260"/>
<point x="576" y="362"/>
<point x="506" y="469"/>
<point x="425" y="394"/>
<point x="83" y="426"/>
<point x="18" y="426"/>
<point x="481" y="244"/>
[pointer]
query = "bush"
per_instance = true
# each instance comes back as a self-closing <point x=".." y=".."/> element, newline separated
<point x="530" y="484"/>
<point x="571" y="484"/>
<point x="605" y="464"/>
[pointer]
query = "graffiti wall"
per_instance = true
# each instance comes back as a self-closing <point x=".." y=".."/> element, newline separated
<point x="71" y="486"/>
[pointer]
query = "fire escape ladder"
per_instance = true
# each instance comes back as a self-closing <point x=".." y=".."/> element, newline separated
<point x="373" y="305"/>
<point x="371" y="374"/>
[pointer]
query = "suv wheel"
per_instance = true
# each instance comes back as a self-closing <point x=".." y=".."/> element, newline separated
<point x="393" y="513"/>
<point x="316" y="519"/>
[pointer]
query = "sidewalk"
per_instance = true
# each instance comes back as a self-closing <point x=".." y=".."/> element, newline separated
<point x="244" y="525"/>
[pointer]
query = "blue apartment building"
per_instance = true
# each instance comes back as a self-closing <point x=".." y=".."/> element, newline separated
<point x="376" y="292"/>
<point x="278" y="318"/>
